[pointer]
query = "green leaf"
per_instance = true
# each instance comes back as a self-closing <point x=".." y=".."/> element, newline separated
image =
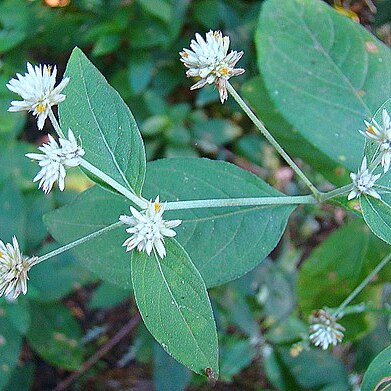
<point x="175" y="306"/>
<point x="378" y="374"/>
<point x="168" y="374"/>
<point x="324" y="72"/>
<point x="377" y="214"/>
<point x="10" y="346"/>
<point x="104" y="255"/>
<point x="98" y="115"/>
<point x="242" y="237"/>
<point x="55" y="335"/>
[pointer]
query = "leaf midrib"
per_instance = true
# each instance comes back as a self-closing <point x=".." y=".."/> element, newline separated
<point x="99" y="127"/>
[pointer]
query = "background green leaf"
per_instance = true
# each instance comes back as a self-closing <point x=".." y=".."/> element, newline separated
<point x="10" y="346"/>
<point x="325" y="73"/>
<point x="55" y="335"/>
<point x="175" y="306"/>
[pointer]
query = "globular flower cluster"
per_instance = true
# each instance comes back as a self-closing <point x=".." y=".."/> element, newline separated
<point x="55" y="159"/>
<point x="363" y="182"/>
<point x="14" y="267"/>
<point x="148" y="228"/>
<point x="38" y="91"/>
<point x="380" y="135"/>
<point x="209" y="60"/>
<point x="324" y="329"/>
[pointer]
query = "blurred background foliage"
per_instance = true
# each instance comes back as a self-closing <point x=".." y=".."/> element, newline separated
<point x="68" y="314"/>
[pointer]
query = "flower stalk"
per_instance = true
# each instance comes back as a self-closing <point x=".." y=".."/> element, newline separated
<point x="261" y="127"/>
<point x="339" y="312"/>
<point x="78" y="242"/>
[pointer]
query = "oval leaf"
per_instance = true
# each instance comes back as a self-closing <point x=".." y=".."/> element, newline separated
<point x="223" y="243"/>
<point x="98" y="115"/>
<point x="339" y="73"/>
<point x="175" y="307"/>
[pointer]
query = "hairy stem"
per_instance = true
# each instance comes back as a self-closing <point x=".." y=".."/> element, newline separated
<point x="78" y="242"/>
<point x="140" y="202"/>
<point x="55" y="124"/>
<point x="220" y="203"/>
<point x="335" y="193"/>
<point x="339" y="311"/>
<point x="271" y="139"/>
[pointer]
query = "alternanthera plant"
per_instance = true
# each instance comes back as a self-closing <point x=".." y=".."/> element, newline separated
<point x="193" y="223"/>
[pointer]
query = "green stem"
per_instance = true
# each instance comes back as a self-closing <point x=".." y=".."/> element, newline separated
<point x="78" y="242"/>
<point x="339" y="312"/>
<point x="336" y="192"/>
<point x="140" y="202"/>
<point x="219" y="203"/>
<point x="272" y="140"/>
<point x="55" y="124"/>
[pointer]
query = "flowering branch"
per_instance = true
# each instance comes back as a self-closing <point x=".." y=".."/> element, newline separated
<point x="258" y="123"/>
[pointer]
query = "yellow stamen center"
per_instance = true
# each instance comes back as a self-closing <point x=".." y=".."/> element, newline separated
<point x="184" y="54"/>
<point x="371" y="129"/>
<point x="157" y="207"/>
<point x="41" y="108"/>
<point x="49" y="69"/>
<point x="224" y="71"/>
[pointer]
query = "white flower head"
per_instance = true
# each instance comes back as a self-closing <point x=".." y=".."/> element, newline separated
<point x="37" y="90"/>
<point x="324" y="329"/>
<point x="382" y="136"/>
<point x="13" y="269"/>
<point x="148" y="228"/>
<point x="209" y="60"/>
<point x="363" y="182"/>
<point x="55" y="159"/>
